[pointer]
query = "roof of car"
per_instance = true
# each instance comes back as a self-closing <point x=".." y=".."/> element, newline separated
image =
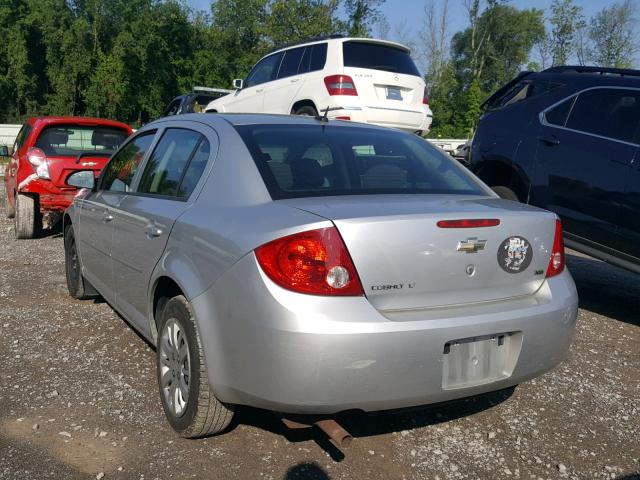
<point x="66" y="120"/>
<point x="237" y="119"/>
<point x="311" y="41"/>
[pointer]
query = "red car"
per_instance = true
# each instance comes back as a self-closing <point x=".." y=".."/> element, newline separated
<point x="46" y="151"/>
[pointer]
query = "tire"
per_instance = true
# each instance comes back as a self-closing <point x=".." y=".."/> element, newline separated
<point x="200" y="413"/>
<point x="306" y="111"/>
<point x="506" y="193"/>
<point x="73" y="267"/>
<point x="27" y="220"/>
<point x="9" y="209"/>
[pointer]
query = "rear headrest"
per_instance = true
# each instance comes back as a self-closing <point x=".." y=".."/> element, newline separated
<point x="105" y="139"/>
<point x="56" y="137"/>
<point x="307" y="172"/>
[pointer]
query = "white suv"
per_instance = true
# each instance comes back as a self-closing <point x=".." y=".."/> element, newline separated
<point x="359" y="79"/>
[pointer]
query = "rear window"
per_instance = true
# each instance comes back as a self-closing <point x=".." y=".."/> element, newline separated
<point x="72" y="140"/>
<point x="320" y="160"/>
<point x="375" y="56"/>
<point x="520" y="92"/>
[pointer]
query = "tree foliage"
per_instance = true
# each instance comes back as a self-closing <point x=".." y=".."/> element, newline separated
<point x="613" y="32"/>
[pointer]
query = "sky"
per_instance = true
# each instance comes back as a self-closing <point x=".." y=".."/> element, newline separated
<point x="408" y="15"/>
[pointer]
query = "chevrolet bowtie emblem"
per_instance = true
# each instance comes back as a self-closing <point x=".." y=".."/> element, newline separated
<point x="471" y="245"/>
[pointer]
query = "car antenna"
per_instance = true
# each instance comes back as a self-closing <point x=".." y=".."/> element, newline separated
<point x="324" y="118"/>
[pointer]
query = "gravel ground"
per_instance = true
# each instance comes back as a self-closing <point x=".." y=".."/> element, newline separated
<point x="78" y="399"/>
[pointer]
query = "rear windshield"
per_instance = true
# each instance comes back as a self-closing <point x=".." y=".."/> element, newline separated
<point x="72" y="140"/>
<point x="316" y="160"/>
<point x="378" y="57"/>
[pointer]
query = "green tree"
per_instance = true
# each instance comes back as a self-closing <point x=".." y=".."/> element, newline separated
<point x="566" y="18"/>
<point x="613" y="33"/>
<point x="362" y="15"/>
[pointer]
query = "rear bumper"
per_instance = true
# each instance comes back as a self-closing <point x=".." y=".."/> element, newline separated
<point x="271" y="348"/>
<point x="51" y="198"/>
<point x="403" y="117"/>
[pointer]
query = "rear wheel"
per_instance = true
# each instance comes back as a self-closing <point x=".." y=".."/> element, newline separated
<point x="188" y="402"/>
<point x="27" y="216"/>
<point x="506" y="193"/>
<point x="72" y="267"/>
<point x="306" y="111"/>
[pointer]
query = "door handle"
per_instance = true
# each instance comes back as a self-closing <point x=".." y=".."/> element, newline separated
<point x="154" y="231"/>
<point x="107" y="217"/>
<point x="551" y="140"/>
<point x="258" y="90"/>
<point x="294" y="80"/>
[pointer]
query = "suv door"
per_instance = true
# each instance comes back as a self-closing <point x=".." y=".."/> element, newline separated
<point x="251" y="98"/>
<point x="279" y="94"/>
<point x="146" y="217"/>
<point x="95" y="229"/>
<point x="583" y="160"/>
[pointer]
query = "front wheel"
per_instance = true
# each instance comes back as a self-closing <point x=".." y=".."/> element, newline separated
<point x="188" y="402"/>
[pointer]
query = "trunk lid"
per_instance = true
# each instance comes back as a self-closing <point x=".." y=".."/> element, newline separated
<point x="406" y="261"/>
<point x="60" y="167"/>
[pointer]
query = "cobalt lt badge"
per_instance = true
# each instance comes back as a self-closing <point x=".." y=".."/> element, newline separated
<point x="514" y="254"/>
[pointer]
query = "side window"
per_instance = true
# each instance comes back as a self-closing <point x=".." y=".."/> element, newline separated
<point x="264" y="71"/>
<point x="22" y="137"/>
<point x="612" y="113"/>
<point x="195" y="169"/>
<point x="122" y="167"/>
<point x="318" y="57"/>
<point x="558" y="114"/>
<point x="173" y="107"/>
<point x="304" y="61"/>
<point x="169" y="161"/>
<point x="290" y="62"/>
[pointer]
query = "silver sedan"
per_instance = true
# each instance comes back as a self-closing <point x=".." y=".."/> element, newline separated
<point x="310" y="266"/>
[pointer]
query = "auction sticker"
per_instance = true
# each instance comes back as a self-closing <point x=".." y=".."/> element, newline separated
<point x="514" y="254"/>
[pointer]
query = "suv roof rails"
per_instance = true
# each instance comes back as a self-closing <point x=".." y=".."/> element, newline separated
<point x="308" y="40"/>
<point x="623" y="72"/>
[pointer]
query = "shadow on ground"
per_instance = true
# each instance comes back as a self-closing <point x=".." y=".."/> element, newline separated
<point x="360" y="424"/>
<point x="606" y="290"/>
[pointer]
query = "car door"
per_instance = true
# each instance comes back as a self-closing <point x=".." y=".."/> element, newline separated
<point x="97" y="212"/>
<point x="630" y="219"/>
<point x="583" y="160"/>
<point x="250" y="98"/>
<point x="279" y="94"/>
<point x="145" y="218"/>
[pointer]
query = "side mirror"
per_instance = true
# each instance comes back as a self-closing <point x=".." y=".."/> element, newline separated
<point x="4" y="151"/>
<point x="238" y="84"/>
<point x="81" y="179"/>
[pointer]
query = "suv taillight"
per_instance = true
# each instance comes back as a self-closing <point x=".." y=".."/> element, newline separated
<point x="38" y="159"/>
<point x="315" y="262"/>
<point x="556" y="262"/>
<point x="340" y="85"/>
<point x="425" y="97"/>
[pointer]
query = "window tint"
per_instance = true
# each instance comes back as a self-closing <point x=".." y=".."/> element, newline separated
<point x="264" y="71"/>
<point x="558" y="114"/>
<point x="350" y="161"/>
<point x="22" y="137"/>
<point x="122" y="167"/>
<point x="169" y="161"/>
<point x="520" y="92"/>
<point x="376" y="56"/>
<point x="195" y="169"/>
<point x="290" y="62"/>
<point x="71" y="140"/>
<point x="612" y="113"/>
<point x="318" y="57"/>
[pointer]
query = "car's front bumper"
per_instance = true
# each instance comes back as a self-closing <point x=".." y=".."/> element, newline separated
<point x="271" y="348"/>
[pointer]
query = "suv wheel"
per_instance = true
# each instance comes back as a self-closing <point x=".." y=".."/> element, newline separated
<point x="188" y="402"/>
<point x="306" y="111"/>
<point x="73" y="267"/>
<point x="27" y="216"/>
<point x="506" y="193"/>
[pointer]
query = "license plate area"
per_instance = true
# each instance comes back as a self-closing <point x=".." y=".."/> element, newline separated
<point x="394" y="93"/>
<point x="469" y="362"/>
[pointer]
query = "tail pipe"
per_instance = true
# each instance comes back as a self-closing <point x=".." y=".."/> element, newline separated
<point x="337" y="435"/>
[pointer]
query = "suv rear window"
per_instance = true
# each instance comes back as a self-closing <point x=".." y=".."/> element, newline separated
<point x="72" y="140"/>
<point x="319" y="160"/>
<point x="520" y="92"/>
<point x="376" y="56"/>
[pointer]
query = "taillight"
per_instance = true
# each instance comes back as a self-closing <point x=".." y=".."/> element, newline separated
<point x="556" y="262"/>
<point x="469" y="223"/>
<point x="425" y="97"/>
<point x="340" y="85"/>
<point x="315" y="262"/>
<point x="38" y="159"/>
